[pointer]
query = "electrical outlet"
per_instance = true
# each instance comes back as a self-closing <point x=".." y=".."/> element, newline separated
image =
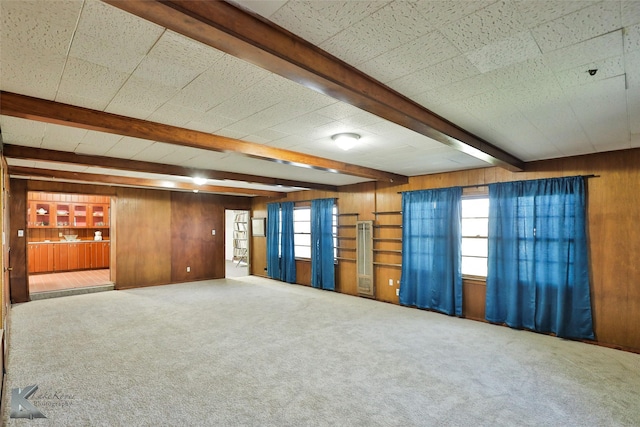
<point x="390" y="282"/>
<point x="188" y="269"/>
<point x="397" y="292"/>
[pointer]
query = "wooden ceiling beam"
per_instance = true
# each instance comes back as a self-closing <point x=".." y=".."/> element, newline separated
<point x="136" y="182"/>
<point x="252" y="38"/>
<point x="26" y="107"/>
<point x="32" y="153"/>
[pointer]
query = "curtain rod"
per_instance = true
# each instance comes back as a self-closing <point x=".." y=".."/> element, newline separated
<point x="486" y="185"/>
<point x="310" y="200"/>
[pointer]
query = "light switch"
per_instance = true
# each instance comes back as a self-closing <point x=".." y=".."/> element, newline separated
<point x="20" y="233"/>
<point x="213" y="232"/>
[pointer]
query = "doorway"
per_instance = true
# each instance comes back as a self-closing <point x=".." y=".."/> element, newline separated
<point x="236" y="243"/>
<point x="69" y="245"/>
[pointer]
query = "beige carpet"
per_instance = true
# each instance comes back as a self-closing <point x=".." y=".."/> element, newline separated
<point x="254" y="352"/>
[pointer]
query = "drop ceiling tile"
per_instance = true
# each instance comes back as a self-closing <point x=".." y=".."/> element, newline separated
<point x="385" y="29"/>
<point x="496" y="22"/>
<point x="512" y="50"/>
<point x="607" y="68"/>
<point x="535" y="13"/>
<point x="97" y="143"/>
<point x="99" y="50"/>
<point x="209" y="123"/>
<point x="559" y="124"/>
<point x="632" y="68"/>
<point x="410" y="57"/>
<point x="38" y="77"/>
<point x="316" y="21"/>
<point x="208" y="160"/>
<point x="302" y="125"/>
<point x="38" y="28"/>
<point x="601" y="109"/>
<point x="338" y="110"/>
<point x="60" y="166"/>
<point x="533" y="93"/>
<point x="117" y="27"/>
<point x="155" y="152"/>
<point x="58" y="137"/>
<point x="22" y="131"/>
<point x="605" y="46"/>
<point x="222" y="81"/>
<point x="513" y="75"/>
<point x="441" y="74"/>
<point x="128" y="147"/>
<point x="181" y="155"/>
<point x="140" y="98"/>
<point x="21" y="163"/>
<point x="630" y="12"/>
<point x="363" y="118"/>
<point x="176" y="60"/>
<point x="584" y="24"/>
<point x="632" y="38"/>
<point x="457" y="91"/>
<point x="441" y="13"/>
<point x="86" y="80"/>
<point x="174" y="115"/>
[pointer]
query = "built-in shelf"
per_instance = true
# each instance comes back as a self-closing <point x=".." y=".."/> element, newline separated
<point x="388" y="226"/>
<point x="346" y="237"/>
<point x="387" y="239"/>
<point x="394" y="251"/>
<point x="342" y="248"/>
<point x="388" y="213"/>
<point x="346" y="259"/>
<point x="385" y="264"/>
<point x="349" y="214"/>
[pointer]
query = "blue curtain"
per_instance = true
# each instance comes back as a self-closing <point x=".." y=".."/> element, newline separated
<point x="322" y="257"/>
<point x="273" y="240"/>
<point x="431" y="250"/>
<point x="287" y="255"/>
<point x="538" y="270"/>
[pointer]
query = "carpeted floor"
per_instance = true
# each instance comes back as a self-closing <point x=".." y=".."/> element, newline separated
<point x="254" y="352"/>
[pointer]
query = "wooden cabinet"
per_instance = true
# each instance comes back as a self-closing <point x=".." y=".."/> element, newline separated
<point x="56" y="257"/>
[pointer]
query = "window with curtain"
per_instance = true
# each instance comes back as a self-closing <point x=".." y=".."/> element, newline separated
<point x="281" y="263"/>
<point x="323" y="231"/>
<point x="538" y="271"/>
<point x="431" y="250"/>
<point x="475" y="229"/>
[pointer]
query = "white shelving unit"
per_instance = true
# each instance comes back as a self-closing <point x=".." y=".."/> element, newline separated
<point x="240" y="236"/>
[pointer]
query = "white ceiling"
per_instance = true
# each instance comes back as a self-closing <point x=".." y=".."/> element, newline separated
<point x="512" y="72"/>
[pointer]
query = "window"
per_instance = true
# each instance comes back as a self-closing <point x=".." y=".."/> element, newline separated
<point x="475" y="230"/>
<point x="302" y="231"/>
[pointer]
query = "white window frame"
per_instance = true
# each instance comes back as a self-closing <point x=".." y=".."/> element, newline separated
<point x="303" y="225"/>
<point x="480" y="236"/>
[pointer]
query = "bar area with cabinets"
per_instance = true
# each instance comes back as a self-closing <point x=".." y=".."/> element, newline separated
<point x="67" y="232"/>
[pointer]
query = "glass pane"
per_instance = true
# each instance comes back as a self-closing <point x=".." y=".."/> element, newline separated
<point x="302" y="214"/>
<point x="302" y="251"/>
<point x="475" y="207"/>
<point x="474" y="247"/>
<point x="302" y="227"/>
<point x="302" y="239"/>
<point x="474" y="266"/>
<point x="475" y="227"/>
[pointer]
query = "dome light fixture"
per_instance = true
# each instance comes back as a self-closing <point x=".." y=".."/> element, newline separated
<point x="346" y="141"/>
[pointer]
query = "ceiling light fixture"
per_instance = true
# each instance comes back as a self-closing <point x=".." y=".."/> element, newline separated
<point x="199" y="180"/>
<point x="346" y="141"/>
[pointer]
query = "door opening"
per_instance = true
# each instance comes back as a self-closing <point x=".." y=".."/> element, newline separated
<point x="236" y="243"/>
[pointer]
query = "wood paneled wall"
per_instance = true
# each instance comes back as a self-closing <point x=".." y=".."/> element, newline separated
<point x="155" y="234"/>
<point x="19" y="289"/>
<point x="614" y="234"/>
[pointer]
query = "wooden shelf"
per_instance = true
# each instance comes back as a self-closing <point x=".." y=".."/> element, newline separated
<point x="349" y="214"/>
<point x="387" y="213"/>
<point x="346" y="237"/>
<point x="345" y="249"/>
<point x="394" y="251"/>
<point x="385" y="264"/>
<point x="388" y="226"/>
<point x="345" y="259"/>
<point x="387" y="239"/>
